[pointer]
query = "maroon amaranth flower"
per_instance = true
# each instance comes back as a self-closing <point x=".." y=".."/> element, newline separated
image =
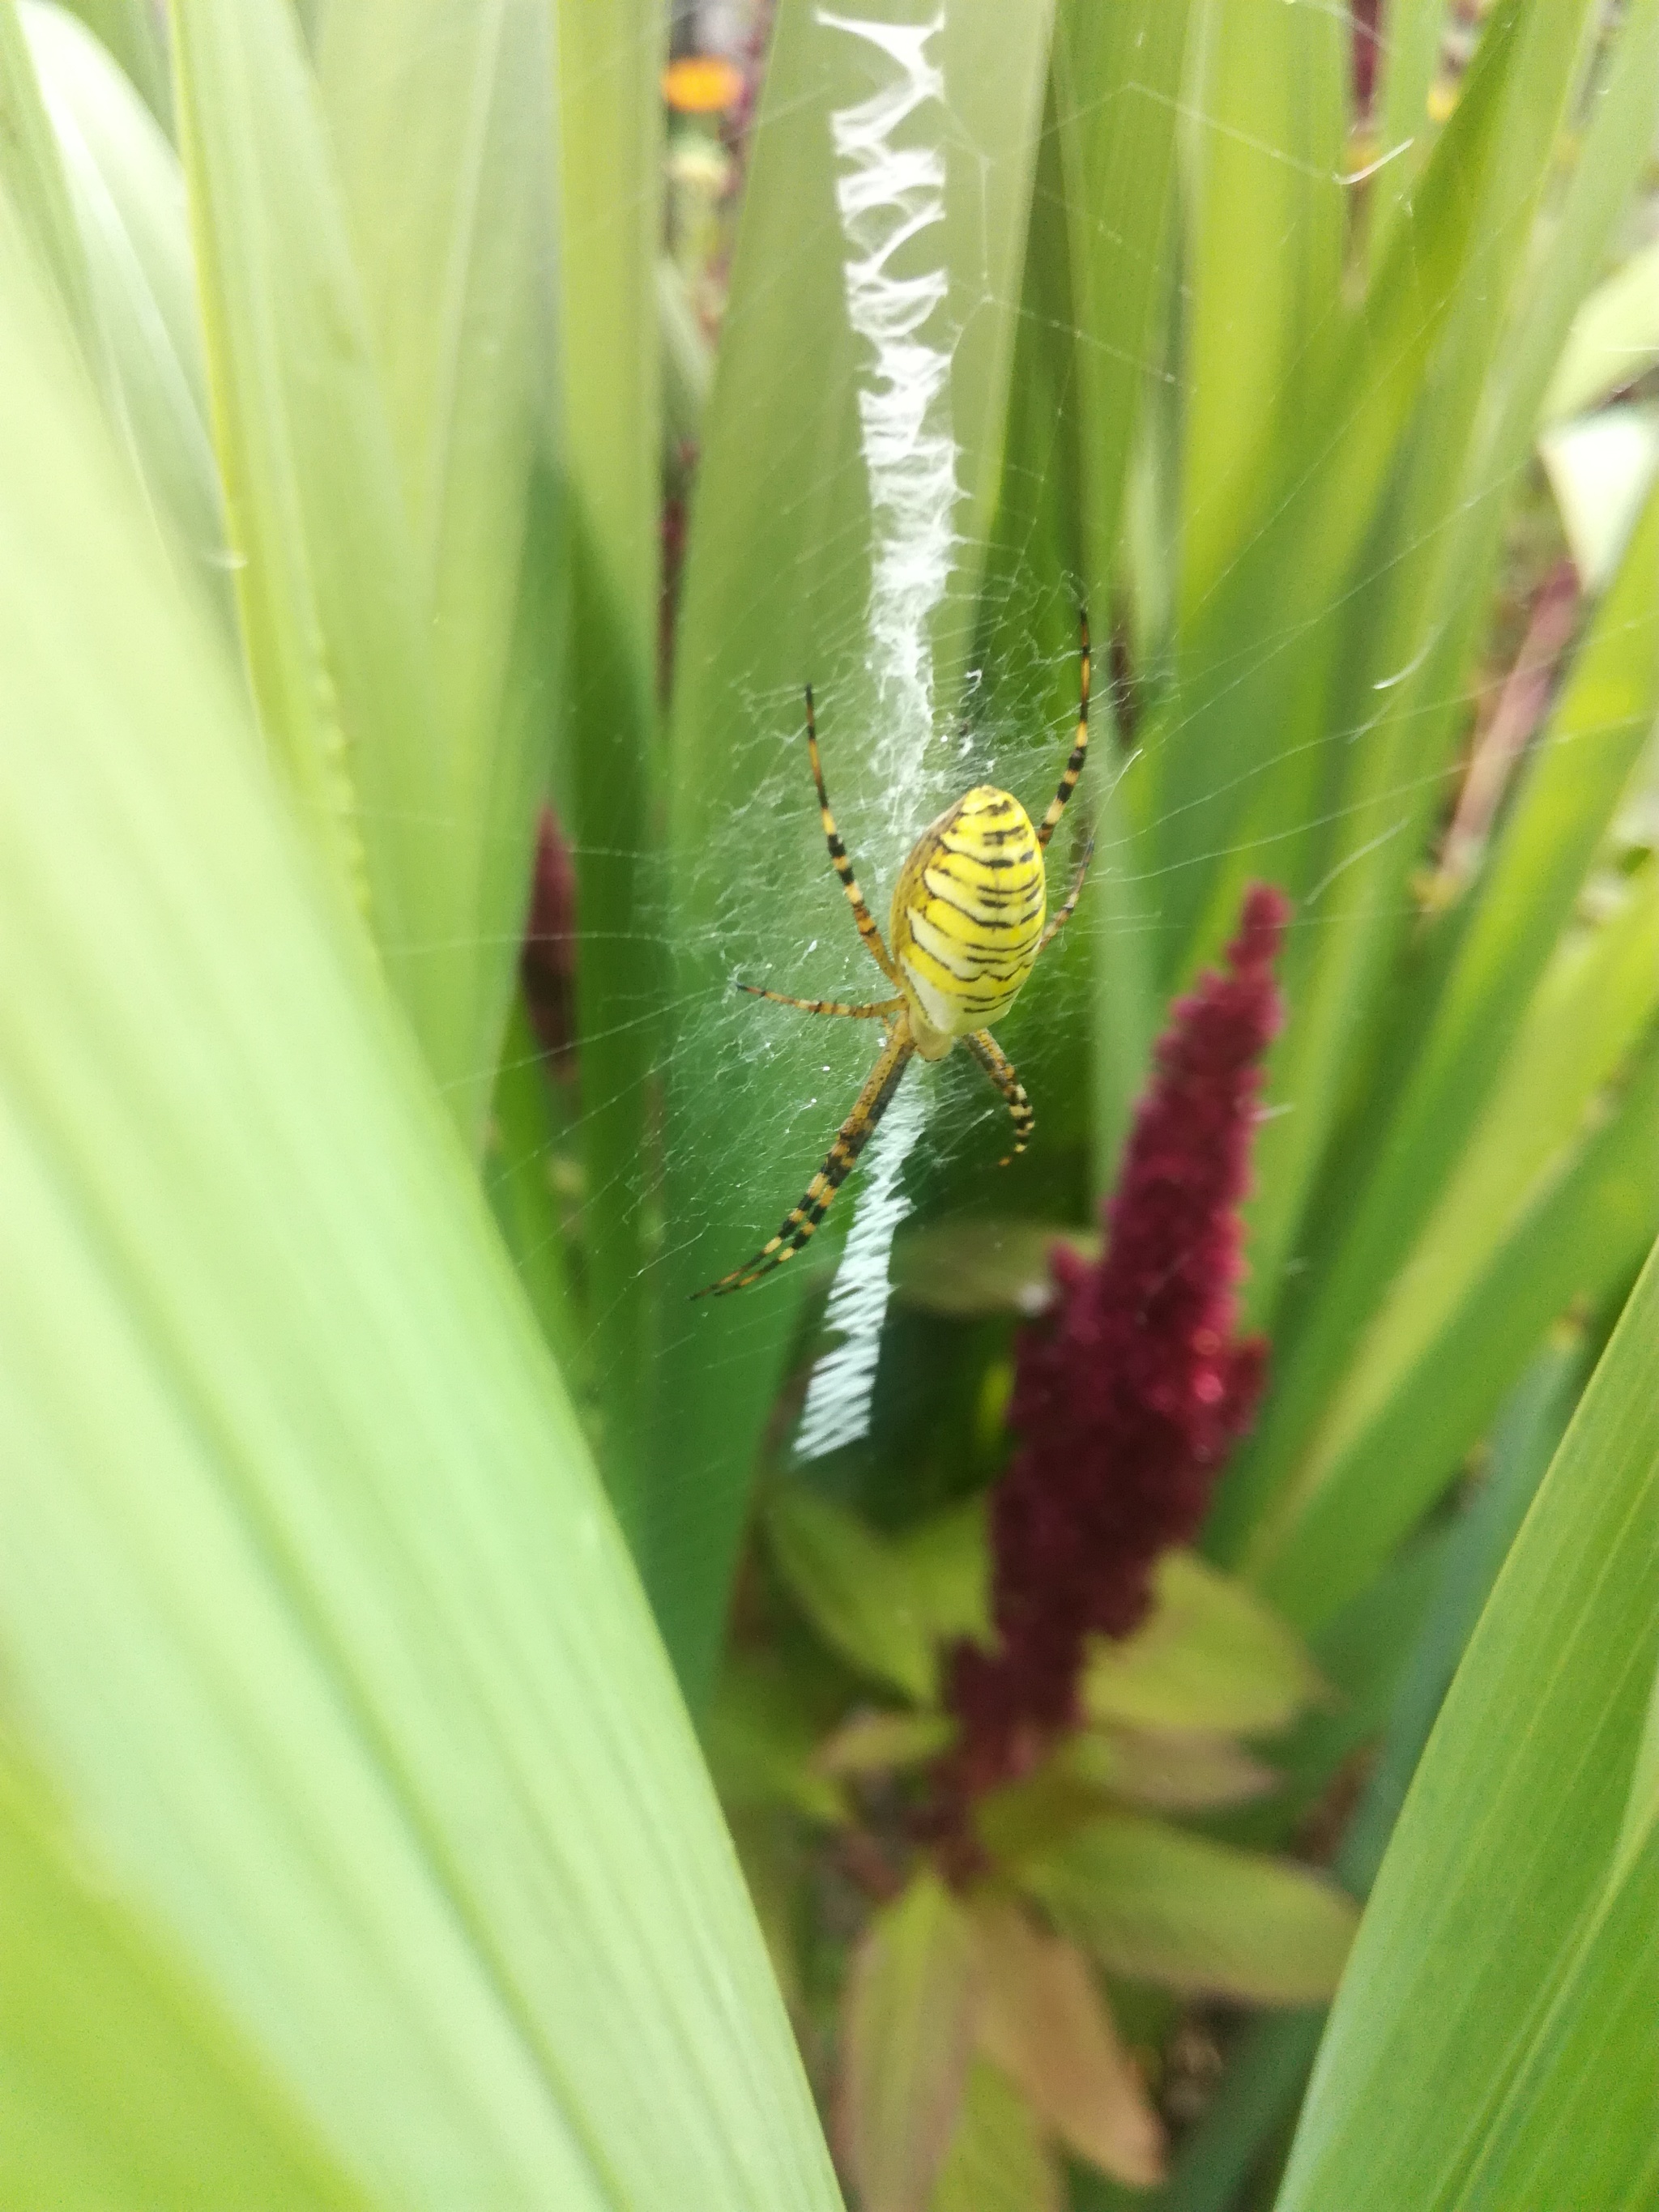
<point x="1129" y="1396"/>
<point x="547" y="962"/>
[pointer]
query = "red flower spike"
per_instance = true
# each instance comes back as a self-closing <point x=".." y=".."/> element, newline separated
<point x="547" y="962"/>
<point x="1129" y="1396"/>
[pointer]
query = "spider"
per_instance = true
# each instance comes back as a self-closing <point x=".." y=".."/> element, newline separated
<point x="967" y="927"/>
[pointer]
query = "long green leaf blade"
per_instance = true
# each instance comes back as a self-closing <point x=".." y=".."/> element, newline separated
<point x="328" y="585"/>
<point x="311" y="1616"/>
<point x="441" y="130"/>
<point x="1502" y="1990"/>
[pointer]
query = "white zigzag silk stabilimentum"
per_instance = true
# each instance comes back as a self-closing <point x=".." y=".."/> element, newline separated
<point x="837" y="1409"/>
<point x="890" y="195"/>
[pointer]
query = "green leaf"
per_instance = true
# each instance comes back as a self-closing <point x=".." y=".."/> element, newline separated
<point x="1267" y="117"/>
<point x="191" y="2114"/>
<point x="1499" y="2003"/>
<point x="948" y="1559"/>
<point x="1044" y="2020"/>
<point x="855" y="1589"/>
<point x="907" y="2038"/>
<point x="966" y="1268"/>
<point x="328" y="579"/>
<point x="609" y="62"/>
<point x="760" y="1743"/>
<point x="872" y="1742"/>
<point x="1210" y="1658"/>
<point x="129" y="203"/>
<point x="998" y="2160"/>
<point x="1171" y="1772"/>
<point x="440" y="120"/>
<point x="1155" y="1903"/>
<point x="1614" y="338"/>
<point x="132" y="32"/>
<point x="1267" y="2070"/>
<point x="785" y="555"/>
<point x="1431" y="564"/>
<point x="31" y="175"/>
<point x="1578" y="774"/>
<point x="312" y="1621"/>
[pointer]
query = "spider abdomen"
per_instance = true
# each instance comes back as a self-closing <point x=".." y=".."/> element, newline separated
<point x="968" y="916"/>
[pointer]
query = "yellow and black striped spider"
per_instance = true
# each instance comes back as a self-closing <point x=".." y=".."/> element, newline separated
<point x="968" y="929"/>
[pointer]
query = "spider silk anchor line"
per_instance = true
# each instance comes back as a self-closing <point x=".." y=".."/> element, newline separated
<point x="889" y="195"/>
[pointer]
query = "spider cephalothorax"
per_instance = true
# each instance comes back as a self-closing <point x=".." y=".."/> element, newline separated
<point x="968" y="929"/>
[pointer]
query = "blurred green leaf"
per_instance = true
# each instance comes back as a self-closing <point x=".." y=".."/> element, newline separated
<point x="1614" y="338"/>
<point x="1431" y="566"/>
<point x="1264" y="119"/>
<point x="128" y="198"/>
<point x="31" y="175"/>
<point x="610" y="64"/>
<point x="356" y="1734"/>
<point x="1579" y="770"/>
<point x="998" y="2160"/>
<point x="1582" y="1240"/>
<point x="949" y="1562"/>
<point x="190" y="2114"/>
<point x="870" y="1742"/>
<point x="1173" y="1770"/>
<point x="440" y="128"/>
<point x="1155" y="1903"/>
<point x="1601" y="469"/>
<point x="760" y="1744"/>
<point x="1267" y="2069"/>
<point x="1502" y="1989"/>
<point x="854" y="1587"/>
<point x="131" y="31"/>
<point x="965" y="1268"/>
<point x="328" y="577"/>
<point x="907" y="2039"/>
<point x="1210" y="1658"/>
<point x="1043" y="2020"/>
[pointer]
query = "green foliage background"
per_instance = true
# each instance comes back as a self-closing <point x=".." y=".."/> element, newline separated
<point x="358" y="1848"/>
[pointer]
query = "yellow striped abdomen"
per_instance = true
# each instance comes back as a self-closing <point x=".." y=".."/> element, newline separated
<point x="968" y="917"/>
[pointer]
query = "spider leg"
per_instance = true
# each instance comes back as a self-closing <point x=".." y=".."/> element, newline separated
<point x="1057" y="920"/>
<point x="855" y="1134"/>
<point x="838" y="860"/>
<point x="881" y="1011"/>
<point x="1000" y="1069"/>
<point x="1080" y="750"/>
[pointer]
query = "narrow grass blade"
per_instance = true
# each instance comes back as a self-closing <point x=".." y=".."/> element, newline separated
<point x="1559" y="1082"/>
<point x="1265" y="124"/>
<point x="1431" y="567"/>
<point x="610" y="127"/>
<point x="1117" y="74"/>
<point x="441" y="130"/>
<point x="1257" y="661"/>
<point x="810" y="560"/>
<point x="328" y="581"/>
<point x="1579" y="772"/>
<point x="1526" y="1856"/>
<point x="1581" y="1241"/>
<point x="312" y="1621"/>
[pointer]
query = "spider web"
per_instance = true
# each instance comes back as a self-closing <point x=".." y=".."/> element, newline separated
<point x="1008" y="722"/>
